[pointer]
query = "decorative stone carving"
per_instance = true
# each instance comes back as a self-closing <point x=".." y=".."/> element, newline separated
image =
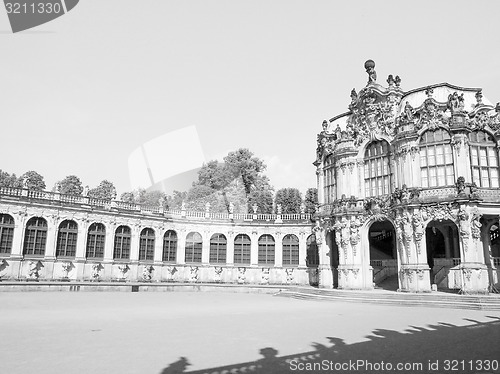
<point x="318" y="233"/>
<point x="459" y="142"/>
<point x="289" y="275"/>
<point x="66" y="268"/>
<point x="264" y="278"/>
<point x="218" y="273"/>
<point x="431" y="115"/>
<point x="34" y="270"/>
<point x="147" y="273"/>
<point x="418" y="230"/>
<point x="193" y="273"/>
<point x="96" y="272"/>
<point x="440" y="212"/>
<point x="171" y="270"/>
<point x="464" y="228"/>
<point x="370" y="70"/>
<point x="460" y="185"/>
<point x="355" y="237"/>
<point x="420" y="274"/>
<point x="241" y="274"/>
<point x="476" y="226"/>
<point x="455" y="103"/>
<point x="123" y="270"/>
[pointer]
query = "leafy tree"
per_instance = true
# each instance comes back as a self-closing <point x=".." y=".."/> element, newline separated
<point x="199" y="195"/>
<point x="9" y="180"/>
<point x="290" y="200"/>
<point x="175" y="201"/>
<point x="241" y="162"/>
<point x="71" y="185"/>
<point x="127" y="197"/>
<point x="215" y="175"/>
<point x="262" y="195"/>
<point x="310" y="200"/>
<point x="105" y="190"/>
<point x="33" y="181"/>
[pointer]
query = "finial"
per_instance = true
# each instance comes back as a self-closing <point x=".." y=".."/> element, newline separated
<point x="479" y="97"/>
<point x="429" y="91"/>
<point x="370" y="69"/>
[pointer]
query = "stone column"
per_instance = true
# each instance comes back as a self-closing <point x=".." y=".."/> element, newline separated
<point x="474" y="272"/>
<point x="230" y="249"/>
<point x="16" y="254"/>
<point x="324" y="268"/>
<point x="158" y="256"/>
<point x="278" y="249"/>
<point x="302" y="249"/>
<point x="461" y="160"/>
<point x="321" y="185"/>
<point x="254" y="249"/>
<point x="205" y="251"/>
<point x="181" y="247"/>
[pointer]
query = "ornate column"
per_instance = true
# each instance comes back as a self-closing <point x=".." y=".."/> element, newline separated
<point x="461" y="160"/>
<point x="354" y="269"/>
<point x="473" y="269"/>
<point x="302" y="249"/>
<point x="414" y="275"/>
<point x="324" y="268"/>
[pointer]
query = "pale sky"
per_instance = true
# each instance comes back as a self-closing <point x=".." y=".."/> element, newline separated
<point x="80" y="93"/>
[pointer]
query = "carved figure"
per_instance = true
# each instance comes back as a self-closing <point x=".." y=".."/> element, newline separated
<point x="66" y="267"/>
<point x="33" y="270"/>
<point x="265" y="276"/>
<point x="123" y="270"/>
<point x="171" y="270"/>
<point x="241" y="274"/>
<point x="96" y="272"/>
<point x="147" y="272"/>
<point x="460" y="185"/>
<point x="231" y="208"/>
<point x="218" y="273"/>
<point x="289" y="275"/>
<point x="370" y="69"/>
<point x="193" y="270"/>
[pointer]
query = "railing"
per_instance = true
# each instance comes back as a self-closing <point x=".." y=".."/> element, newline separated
<point x="22" y="193"/>
<point x="437" y="192"/>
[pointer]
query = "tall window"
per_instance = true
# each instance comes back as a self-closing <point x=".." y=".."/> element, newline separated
<point x="329" y="179"/>
<point x="147" y="245"/>
<point x="290" y="250"/>
<point x="242" y="245"/>
<point x="312" y="259"/>
<point x="96" y="237"/>
<point x="66" y="239"/>
<point x="483" y="159"/>
<point x="194" y="244"/>
<point x="436" y="160"/>
<point x="121" y="248"/>
<point x="218" y="246"/>
<point x="6" y="233"/>
<point x="169" y="246"/>
<point x="35" y="237"/>
<point x="266" y="250"/>
<point x="377" y="170"/>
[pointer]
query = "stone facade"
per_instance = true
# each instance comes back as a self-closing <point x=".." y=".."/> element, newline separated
<point x="43" y="255"/>
<point x="408" y="189"/>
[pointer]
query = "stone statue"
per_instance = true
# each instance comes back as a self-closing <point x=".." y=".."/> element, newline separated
<point x="460" y="185"/>
<point x="231" y="208"/>
<point x="370" y="69"/>
<point x="408" y="112"/>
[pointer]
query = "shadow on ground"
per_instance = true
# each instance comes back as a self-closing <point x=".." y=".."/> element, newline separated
<point x="437" y="348"/>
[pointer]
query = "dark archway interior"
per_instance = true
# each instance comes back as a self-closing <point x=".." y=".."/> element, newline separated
<point x="495" y="241"/>
<point x="382" y="241"/>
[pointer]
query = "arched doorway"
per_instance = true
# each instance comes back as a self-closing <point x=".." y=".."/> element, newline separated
<point x="443" y="252"/>
<point x="383" y="255"/>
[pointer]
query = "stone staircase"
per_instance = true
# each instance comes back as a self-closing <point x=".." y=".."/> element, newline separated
<point x="382" y="297"/>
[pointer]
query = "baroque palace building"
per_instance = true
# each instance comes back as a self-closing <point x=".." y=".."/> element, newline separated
<point x="408" y="186"/>
<point x="50" y="236"/>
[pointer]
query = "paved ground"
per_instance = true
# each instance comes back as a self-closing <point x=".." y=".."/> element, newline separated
<point x="171" y="332"/>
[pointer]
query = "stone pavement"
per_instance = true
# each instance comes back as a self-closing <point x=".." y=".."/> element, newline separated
<point x="214" y="332"/>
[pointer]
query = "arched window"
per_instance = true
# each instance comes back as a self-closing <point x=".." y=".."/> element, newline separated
<point x="169" y="246"/>
<point x="96" y="237"/>
<point x="194" y="245"/>
<point x="266" y="250"/>
<point x="121" y="248"/>
<point x="290" y="250"/>
<point x="312" y="259"/>
<point x="218" y="246"/>
<point x="242" y="245"/>
<point x="483" y="159"/>
<point x="436" y="160"/>
<point x="329" y="179"/>
<point x="66" y="239"/>
<point x="6" y="233"/>
<point x="147" y="245"/>
<point x="377" y="169"/>
<point x="35" y="237"/>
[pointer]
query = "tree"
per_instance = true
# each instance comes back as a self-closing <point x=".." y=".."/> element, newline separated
<point x="215" y="175"/>
<point x="127" y="197"/>
<point x="290" y="200"/>
<point x="105" y="190"/>
<point x="311" y="200"/>
<point x="241" y="162"/>
<point x="71" y="185"/>
<point x="33" y="181"/>
<point x="175" y="201"/>
<point x="8" y="180"/>
<point x="261" y="195"/>
<point x="199" y="195"/>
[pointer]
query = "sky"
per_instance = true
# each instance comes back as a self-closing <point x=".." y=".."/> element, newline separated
<point x="79" y="94"/>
